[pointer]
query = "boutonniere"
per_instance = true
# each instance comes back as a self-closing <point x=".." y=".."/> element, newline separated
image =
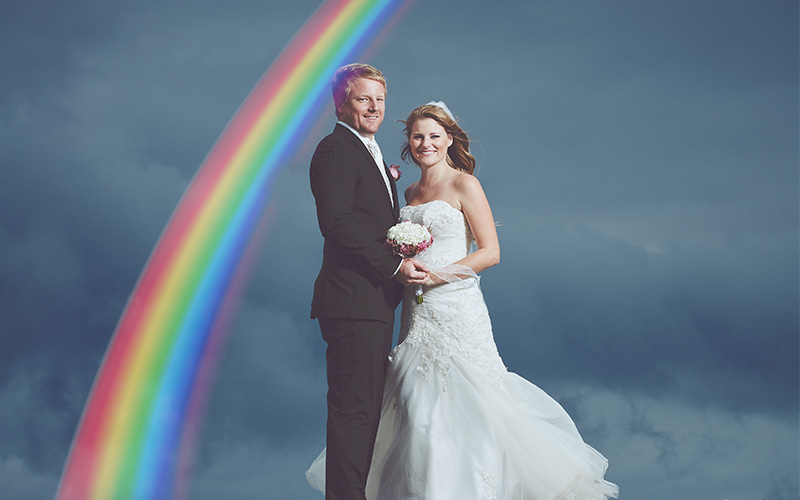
<point x="395" y="171"/>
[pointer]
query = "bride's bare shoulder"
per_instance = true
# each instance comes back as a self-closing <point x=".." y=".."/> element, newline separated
<point x="469" y="192"/>
<point x="466" y="184"/>
<point x="410" y="190"/>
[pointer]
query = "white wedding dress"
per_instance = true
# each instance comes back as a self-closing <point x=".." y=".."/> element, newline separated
<point x="456" y="425"/>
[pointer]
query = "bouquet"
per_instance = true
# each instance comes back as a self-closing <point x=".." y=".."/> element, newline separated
<point x="407" y="239"/>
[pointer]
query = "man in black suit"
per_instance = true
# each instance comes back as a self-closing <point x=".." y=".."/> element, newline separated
<point x="361" y="281"/>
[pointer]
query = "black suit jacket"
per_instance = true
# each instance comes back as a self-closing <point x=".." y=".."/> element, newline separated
<point x="354" y="212"/>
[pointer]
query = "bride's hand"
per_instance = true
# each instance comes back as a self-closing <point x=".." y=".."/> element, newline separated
<point x="433" y="279"/>
<point x="412" y="272"/>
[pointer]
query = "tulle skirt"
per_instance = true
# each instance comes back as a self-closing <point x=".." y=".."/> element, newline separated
<point x="450" y="432"/>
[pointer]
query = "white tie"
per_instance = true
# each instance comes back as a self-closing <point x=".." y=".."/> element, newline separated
<point x="375" y="151"/>
<point x="373" y="147"/>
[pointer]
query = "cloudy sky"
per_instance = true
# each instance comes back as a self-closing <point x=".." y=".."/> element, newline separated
<point x="641" y="158"/>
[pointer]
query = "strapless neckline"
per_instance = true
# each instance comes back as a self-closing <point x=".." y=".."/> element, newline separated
<point x="448" y="227"/>
<point x="434" y="201"/>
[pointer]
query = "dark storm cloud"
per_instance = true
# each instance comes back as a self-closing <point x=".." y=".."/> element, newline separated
<point x="659" y="170"/>
<point x="641" y="158"/>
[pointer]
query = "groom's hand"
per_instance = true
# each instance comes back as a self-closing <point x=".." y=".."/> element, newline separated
<point x="412" y="272"/>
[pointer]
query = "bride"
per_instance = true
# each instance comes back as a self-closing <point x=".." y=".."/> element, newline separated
<point x="455" y="423"/>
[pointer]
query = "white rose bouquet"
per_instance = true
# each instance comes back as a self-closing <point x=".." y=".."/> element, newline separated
<point x="407" y="239"/>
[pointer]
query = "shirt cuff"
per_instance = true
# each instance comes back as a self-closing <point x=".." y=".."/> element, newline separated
<point x="398" y="268"/>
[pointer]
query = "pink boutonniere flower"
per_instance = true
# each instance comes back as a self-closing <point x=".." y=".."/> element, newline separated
<point x="395" y="171"/>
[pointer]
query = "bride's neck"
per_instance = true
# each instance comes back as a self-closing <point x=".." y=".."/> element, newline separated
<point x="435" y="174"/>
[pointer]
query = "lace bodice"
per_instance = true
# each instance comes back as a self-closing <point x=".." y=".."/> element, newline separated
<point x="452" y="237"/>
<point x="452" y="320"/>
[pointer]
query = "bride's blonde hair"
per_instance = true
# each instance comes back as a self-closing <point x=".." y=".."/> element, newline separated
<point x="458" y="155"/>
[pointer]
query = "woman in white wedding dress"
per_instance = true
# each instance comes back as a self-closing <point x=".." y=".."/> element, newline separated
<point x="456" y="425"/>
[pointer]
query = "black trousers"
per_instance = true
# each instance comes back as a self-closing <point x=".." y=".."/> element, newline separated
<point x="357" y="358"/>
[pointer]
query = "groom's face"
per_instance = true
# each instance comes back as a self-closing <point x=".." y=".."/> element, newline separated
<point x="364" y="106"/>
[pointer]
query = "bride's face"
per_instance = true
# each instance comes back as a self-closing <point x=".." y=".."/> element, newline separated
<point x="429" y="142"/>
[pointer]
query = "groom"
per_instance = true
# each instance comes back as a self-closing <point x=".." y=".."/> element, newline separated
<point x="361" y="281"/>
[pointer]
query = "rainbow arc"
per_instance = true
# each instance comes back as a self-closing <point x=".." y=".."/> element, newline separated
<point x="137" y="425"/>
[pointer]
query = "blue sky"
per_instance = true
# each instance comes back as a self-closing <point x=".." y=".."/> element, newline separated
<point x="641" y="159"/>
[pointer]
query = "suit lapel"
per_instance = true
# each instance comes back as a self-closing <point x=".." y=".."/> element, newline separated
<point x="391" y="202"/>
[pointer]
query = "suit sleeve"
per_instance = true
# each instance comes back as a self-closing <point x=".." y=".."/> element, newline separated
<point x="334" y="180"/>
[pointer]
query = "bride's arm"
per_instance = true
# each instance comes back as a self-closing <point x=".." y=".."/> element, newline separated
<point x="479" y="216"/>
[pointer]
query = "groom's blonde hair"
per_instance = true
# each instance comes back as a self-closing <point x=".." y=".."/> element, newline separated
<point x="344" y="77"/>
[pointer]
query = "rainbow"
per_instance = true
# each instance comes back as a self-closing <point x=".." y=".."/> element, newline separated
<point x="141" y="415"/>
